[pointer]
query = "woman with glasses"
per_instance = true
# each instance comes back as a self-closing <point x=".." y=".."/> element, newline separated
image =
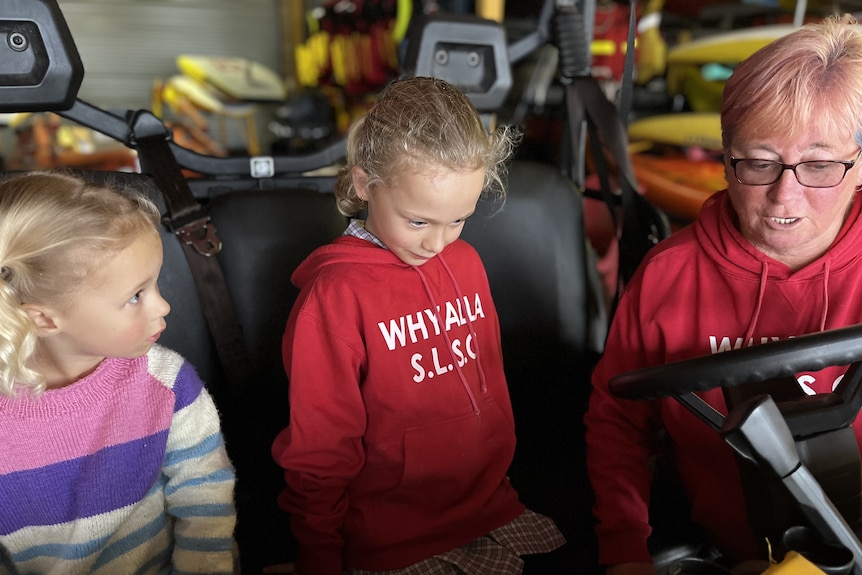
<point x="776" y="255"/>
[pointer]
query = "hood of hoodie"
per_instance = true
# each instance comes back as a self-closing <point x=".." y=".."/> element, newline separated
<point x="733" y="254"/>
<point x="344" y="249"/>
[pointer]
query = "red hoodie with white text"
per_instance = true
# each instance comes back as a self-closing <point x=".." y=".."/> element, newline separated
<point x="702" y="291"/>
<point x="401" y="430"/>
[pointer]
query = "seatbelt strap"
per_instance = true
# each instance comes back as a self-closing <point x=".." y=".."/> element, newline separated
<point x="627" y="80"/>
<point x="642" y="225"/>
<point x="190" y="221"/>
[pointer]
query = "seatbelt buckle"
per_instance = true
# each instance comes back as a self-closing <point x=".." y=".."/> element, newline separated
<point x="201" y="235"/>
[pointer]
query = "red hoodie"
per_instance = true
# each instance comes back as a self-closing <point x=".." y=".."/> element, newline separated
<point x="703" y="290"/>
<point x="401" y="430"/>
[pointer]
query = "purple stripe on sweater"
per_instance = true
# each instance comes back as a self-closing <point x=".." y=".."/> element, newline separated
<point x="187" y="386"/>
<point x="109" y="479"/>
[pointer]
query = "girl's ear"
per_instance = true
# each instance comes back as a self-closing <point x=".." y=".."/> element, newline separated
<point x="43" y="317"/>
<point x="360" y="182"/>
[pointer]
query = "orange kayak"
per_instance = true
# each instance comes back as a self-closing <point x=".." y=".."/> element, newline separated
<point x="678" y="185"/>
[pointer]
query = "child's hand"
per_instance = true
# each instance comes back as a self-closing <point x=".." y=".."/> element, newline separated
<point x="281" y="568"/>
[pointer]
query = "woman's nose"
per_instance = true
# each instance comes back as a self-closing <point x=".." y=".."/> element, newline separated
<point x="786" y="184"/>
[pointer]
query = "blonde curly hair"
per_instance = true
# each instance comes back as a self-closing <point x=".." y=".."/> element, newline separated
<point x="423" y="123"/>
<point x="55" y="229"/>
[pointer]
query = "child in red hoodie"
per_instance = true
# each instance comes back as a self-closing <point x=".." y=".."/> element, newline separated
<point x="401" y="430"/>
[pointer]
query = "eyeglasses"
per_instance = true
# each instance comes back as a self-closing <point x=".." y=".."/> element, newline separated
<point x="811" y="174"/>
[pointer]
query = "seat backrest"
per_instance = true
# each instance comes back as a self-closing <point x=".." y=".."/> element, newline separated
<point x="539" y="269"/>
<point x="552" y="323"/>
<point x="539" y="265"/>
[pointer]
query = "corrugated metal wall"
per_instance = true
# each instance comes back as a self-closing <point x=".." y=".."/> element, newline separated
<point x="126" y="44"/>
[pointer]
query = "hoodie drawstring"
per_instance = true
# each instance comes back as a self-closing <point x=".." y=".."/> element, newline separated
<point x="482" y="384"/>
<point x="764" y="274"/>
<point x="473" y="403"/>
<point x="825" y="296"/>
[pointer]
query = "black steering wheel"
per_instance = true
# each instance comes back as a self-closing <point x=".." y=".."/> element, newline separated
<point x="763" y="430"/>
<point x="810" y="352"/>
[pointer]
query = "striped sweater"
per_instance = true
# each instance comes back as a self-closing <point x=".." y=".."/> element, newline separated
<point x="122" y="472"/>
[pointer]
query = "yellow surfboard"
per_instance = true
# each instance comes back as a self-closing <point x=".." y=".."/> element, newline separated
<point x="680" y="129"/>
<point x="727" y="47"/>
<point x="237" y="78"/>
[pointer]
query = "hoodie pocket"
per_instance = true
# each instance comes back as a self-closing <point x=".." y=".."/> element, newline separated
<point x="458" y="462"/>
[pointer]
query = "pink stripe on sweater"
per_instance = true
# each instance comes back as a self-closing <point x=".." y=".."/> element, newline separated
<point x="119" y="402"/>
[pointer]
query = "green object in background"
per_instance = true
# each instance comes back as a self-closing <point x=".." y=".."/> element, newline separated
<point x="715" y="72"/>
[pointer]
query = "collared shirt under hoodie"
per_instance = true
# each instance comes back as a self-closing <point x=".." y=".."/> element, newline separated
<point x="401" y="428"/>
<point x="704" y="290"/>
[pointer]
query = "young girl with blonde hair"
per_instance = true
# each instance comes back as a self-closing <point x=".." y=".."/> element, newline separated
<point x="112" y="459"/>
<point x="401" y="430"/>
